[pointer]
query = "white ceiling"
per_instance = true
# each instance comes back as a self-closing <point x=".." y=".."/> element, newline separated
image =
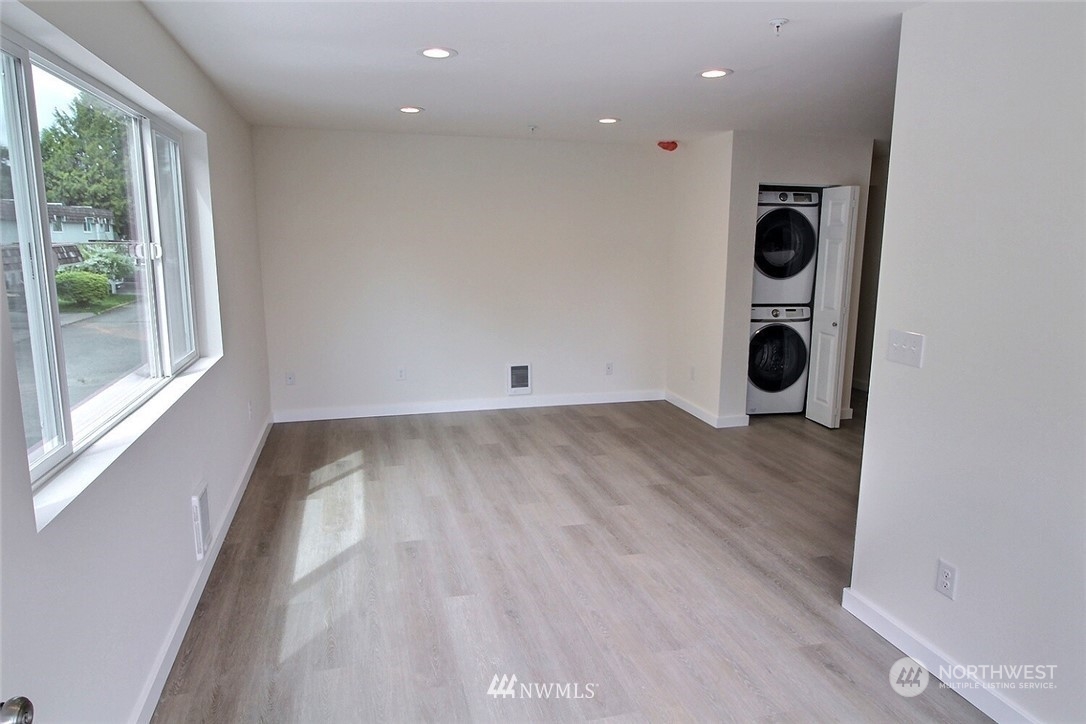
<point x="556" y="65"/>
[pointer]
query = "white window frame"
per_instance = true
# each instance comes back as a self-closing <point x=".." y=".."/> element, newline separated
<point x="78" y="433"/>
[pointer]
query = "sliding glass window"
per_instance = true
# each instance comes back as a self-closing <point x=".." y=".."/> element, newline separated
<point x="96" y="262"/>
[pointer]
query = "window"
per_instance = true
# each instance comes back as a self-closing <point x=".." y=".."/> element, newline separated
<point x="101" y="321"/>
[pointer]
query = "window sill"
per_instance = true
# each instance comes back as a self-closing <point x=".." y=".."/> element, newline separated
<point x="64" y="486"/>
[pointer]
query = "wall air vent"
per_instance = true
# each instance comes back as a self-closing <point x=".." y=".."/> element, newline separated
<point x="520" y="379"/>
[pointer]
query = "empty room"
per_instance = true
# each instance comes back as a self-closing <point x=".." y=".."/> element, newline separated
<point x="542" y="361"/>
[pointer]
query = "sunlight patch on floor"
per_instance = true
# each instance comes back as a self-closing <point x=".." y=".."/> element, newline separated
<point x="333" y="521"/>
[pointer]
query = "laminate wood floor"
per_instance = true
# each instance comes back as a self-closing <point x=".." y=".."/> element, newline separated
<point x="388" y="569"/>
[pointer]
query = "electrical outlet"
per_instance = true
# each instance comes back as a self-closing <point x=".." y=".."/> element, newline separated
<point x="946" y="579"/>
<point x="401" y="374"/>
<point x="609" y="368"/>
<point x="250" y="410"/>
<point x="290" y="378"/>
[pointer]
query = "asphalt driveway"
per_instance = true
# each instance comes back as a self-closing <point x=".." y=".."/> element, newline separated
<point x="99" y="350"/>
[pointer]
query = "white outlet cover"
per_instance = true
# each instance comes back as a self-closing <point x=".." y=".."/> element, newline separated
<point x="906" y="348"/>
<point x="946" y="579"/>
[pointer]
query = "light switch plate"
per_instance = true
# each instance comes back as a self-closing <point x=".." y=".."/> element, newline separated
<point x="906" y="348"/>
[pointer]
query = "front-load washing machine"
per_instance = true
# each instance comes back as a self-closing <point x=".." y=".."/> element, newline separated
<point x="785" y="246"/>
<point x="780" y="343"/>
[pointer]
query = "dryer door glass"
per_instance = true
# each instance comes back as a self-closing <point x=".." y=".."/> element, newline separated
<point x="778" y="357"/>
<point x="784" y="243"/>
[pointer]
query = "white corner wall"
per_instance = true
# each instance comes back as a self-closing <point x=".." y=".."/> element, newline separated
<point x="452" y="258"/>
<point x="978" y="457"/>
<point x="93" y="605"/>
<point x="697" y="267"/>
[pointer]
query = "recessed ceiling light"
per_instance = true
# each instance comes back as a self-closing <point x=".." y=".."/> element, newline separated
<point x="716" y="72"/>
<point x="608" y="120"/>
<point x="437" y="53"/>
<point x="411" y="109"/>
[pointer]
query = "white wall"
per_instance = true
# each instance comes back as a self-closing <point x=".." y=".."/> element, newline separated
<point x="978" y="457"/>
<point x="92" y="603"/>
<point x="697" y="266"/>
<point x="453" y="257"/>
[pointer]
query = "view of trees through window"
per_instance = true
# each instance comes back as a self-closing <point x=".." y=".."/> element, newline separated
<point x="86" y="155"/>
<point x="95" y="254"/>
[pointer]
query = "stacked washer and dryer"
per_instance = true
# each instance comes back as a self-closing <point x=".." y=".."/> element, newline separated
<point x="785" y="249"/>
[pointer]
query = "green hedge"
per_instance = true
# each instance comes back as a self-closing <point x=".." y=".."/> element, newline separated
<point x="82" y="287"/>
<point x="107" y="261"/>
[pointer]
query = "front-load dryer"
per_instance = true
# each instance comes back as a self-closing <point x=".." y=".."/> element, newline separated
<point x="785" y="246"/>
<point x="780" y="343"/>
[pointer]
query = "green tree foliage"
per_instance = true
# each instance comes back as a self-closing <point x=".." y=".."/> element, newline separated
<point x="104" y="259"/>
<point x="85" y="159"/>
<point x="81" y="287"/>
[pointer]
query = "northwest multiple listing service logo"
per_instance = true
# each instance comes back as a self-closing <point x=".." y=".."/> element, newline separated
<point x="909" y="678"/>
<point x="507" y="687"/>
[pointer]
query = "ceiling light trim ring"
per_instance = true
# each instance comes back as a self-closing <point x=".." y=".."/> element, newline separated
<point x="437" y="52"/>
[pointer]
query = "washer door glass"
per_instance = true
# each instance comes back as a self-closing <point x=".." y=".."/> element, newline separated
<point x="778" y="357"/>
<point x="784" y="244"/>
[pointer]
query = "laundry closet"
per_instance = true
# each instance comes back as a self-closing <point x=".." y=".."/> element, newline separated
<point x="803" y="250"/>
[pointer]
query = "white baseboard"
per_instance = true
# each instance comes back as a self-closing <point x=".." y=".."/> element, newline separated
<point x="989" y="701"/>
<point x="846" y="413"/>
<point x="152" y="690"/>
<point x="732" y="421"/>
<point x="704" y="415"/>
<point x="488" y="403"/>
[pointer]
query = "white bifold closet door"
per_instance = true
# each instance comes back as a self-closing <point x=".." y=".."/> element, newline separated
<point x="829" y="313"/>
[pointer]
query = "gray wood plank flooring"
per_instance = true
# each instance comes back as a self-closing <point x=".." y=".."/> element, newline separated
<point x="387" y="569"/>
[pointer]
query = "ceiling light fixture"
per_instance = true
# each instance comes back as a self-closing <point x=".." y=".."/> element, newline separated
<point x="716" y="72"/>
<point x="608" y="121"/>
<point x="777" y="23"/>
<point x="437" y="53"/>
<point x="411" y="109"/>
